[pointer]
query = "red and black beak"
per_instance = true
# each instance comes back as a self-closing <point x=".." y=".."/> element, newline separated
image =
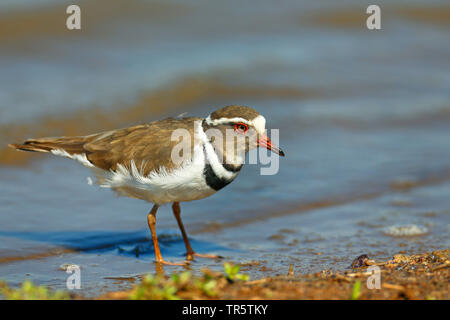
<point x="265" y="142"/>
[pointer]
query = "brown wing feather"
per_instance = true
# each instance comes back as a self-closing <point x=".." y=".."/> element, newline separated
<point x="149" y="146"/>
<point x="72" y="145"/>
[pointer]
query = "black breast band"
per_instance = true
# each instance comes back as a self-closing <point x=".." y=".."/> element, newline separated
<point x="212" y="179"/>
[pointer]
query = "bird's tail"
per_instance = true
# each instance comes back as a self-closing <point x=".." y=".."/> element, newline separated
<point x="71" y="145"/>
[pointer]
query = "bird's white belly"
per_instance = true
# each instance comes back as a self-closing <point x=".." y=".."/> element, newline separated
<point x="185" y="183"/>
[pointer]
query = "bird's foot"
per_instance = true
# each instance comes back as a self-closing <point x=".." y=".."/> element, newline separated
<point x="184" y="263"/>
<point x="190" y="256"/>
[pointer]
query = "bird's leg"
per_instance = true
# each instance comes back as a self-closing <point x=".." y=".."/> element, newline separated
<point x="151" y="218"/>
<point x="176" y="213"/>
<point x="189" y="251"/>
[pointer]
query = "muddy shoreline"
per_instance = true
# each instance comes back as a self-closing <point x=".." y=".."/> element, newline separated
<point x="403" y="277"/>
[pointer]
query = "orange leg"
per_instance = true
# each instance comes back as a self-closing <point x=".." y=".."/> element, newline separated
<point x="152" y="223"/>
<point x="189" y="251"/>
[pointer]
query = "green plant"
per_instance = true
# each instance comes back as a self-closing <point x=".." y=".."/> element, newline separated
<point x="154" y="288"/>
<point x="29" y="291"/>
<point x="207" y="284"/>
<point x="356" y="293"/>
<point x="232" y="272"/>
<point x="169" y="288"/>
<point x="157" y="287"/>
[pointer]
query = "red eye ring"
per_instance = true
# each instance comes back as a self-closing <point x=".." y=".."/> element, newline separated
<point x="241" y="127"/>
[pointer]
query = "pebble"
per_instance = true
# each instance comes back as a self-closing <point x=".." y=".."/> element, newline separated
<point x="409" y="230"/>
<point x="65" y="266"/>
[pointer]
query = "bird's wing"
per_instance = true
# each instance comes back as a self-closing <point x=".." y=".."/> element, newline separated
<point x="148" y="145"/>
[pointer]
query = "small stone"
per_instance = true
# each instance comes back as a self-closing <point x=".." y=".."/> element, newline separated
<point x="66" y="266"/>
<point x="361" y="261"/>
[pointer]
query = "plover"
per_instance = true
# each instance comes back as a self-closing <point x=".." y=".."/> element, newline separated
<point x="153" y="162"/>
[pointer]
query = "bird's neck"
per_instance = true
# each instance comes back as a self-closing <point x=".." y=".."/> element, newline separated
<point x="229" y="155"/>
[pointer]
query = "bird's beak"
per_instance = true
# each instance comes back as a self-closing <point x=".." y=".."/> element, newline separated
<point x="265" y="142"/>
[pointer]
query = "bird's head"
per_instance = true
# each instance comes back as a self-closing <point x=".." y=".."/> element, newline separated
<point x="241" y="126"/>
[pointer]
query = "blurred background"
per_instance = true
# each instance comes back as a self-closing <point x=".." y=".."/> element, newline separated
<point x="364" y="119"/>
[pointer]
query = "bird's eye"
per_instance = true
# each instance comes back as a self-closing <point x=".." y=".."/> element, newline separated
<point x="241" y="127"/>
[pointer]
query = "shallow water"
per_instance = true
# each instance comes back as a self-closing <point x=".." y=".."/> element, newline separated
<point x="363" y="117"/>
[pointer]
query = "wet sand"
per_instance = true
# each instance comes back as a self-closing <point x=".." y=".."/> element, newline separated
<point x="403" y="277"/>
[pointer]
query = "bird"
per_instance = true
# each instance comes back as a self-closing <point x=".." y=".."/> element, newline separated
<point x="167" y="161"/>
